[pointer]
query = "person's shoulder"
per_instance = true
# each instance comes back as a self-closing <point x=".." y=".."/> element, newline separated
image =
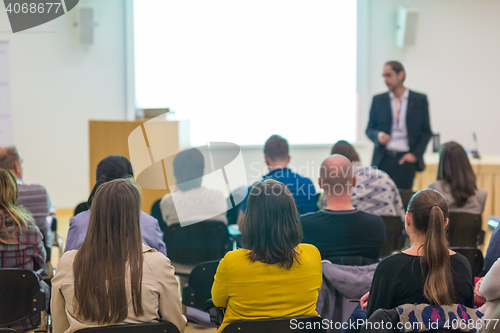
<point x="309" y="250"/>
<point x="236" y="254"/>
<point x="311" y="216"/>
<point x="458" y="259"/>
<point x="366" y="216"/>
<point x="394" y="261"/>
<point x="373" y="173"/>
<point x="166" y="199"/>
<point x="154" y="258"/>
<point x="299" y="176"/>
<point x="146" y="218"/>
<point x="381" y="95"/>
<point x="32" y="189"/>
<point x="83" y="216"/>
<point x="31" y="186"/>
<point x="66" y="260"/>
<point x="417" y="94"/>
<point x="32" y="228"/>
<point x="481" y="194"/>
<point x="435" y="184"/>
<point x="213" y="193"/>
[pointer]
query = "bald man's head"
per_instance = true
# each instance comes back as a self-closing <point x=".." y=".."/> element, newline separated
<point x="336" y="175"/>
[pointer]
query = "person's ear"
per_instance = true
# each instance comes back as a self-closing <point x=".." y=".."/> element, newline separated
<point x="408" y="219"/>
<point x="288" y="159"/>
<point x="17" y="169"/>
<point x="267" y="160"/>
<point x="354" y="180"/>
<point x="446" y="222"/>
<point x="401" y="76"/>
<point x="320" y="182"/>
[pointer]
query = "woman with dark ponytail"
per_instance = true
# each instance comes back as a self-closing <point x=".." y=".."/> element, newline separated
<point x="427" y="272"/>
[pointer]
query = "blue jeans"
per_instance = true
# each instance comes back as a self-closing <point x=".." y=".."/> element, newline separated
<point x="356" y="315"/>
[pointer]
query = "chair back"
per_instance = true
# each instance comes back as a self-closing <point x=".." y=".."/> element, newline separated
<point x="309" y="324"/>
<point x="352" y="260"/>
<point x="161" y="327"/>
<point x="395" y="236"/>
<point x="464" y="229"/>
<point x="156" y="213"/>
<point x="20" y="297"/>
<point x="405" y="197"/>
<point x="198" y="242"/>
<point x="199" y="288"/>
<point x="474" y="256"/>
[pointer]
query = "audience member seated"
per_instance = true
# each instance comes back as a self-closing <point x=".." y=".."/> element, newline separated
<point x="277" y="158"/>
<point x="113" y="278"/>
<point x="375" y="191"/>
<point x="273" y="275"/>
<point x="488" y="290"/>
<point x="200" y="203"/>
<point x="428" y="272"/>
<point x="21" y="244"/>
<point x="457" y="182"/>
<point x="493" y="252"/>
<point x="341" y="230"/>
<point x="33" y="197"/>
<point x="110" y="168"/>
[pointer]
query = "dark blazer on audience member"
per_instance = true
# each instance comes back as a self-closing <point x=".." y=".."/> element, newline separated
<point x="417" y="124"/>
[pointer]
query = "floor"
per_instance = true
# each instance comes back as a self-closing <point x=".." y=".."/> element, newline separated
<point x="63" y="216"/>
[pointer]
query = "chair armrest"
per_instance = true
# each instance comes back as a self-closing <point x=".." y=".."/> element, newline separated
<point x="38" y="302"/>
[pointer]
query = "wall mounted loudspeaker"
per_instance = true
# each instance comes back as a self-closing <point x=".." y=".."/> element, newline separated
<point x="86" y="25"/>
<point x="406" y="27"/>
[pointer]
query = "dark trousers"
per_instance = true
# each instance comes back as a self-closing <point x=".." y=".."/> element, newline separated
<point x="402" y="174"/>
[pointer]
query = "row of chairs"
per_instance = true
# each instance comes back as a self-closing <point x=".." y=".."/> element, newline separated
<point x="464" y="230"/>
<point x="22" y="297"/>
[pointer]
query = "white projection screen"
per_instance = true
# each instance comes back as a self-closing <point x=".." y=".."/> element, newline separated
<point x="242" y="70"/>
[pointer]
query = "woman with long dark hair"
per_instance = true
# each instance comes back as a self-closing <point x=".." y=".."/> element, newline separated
<point x="273" y="275"/>
<point x="457" y="182"/>
<point x="428" y="272"/>
<point x="111" y="168"/>
<point x="114" y="278"/>
<point x="21" y="244"/>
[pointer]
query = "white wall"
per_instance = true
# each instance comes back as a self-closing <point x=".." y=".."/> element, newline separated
<point x="57" y="86"/>
<point x="455" y="62"/>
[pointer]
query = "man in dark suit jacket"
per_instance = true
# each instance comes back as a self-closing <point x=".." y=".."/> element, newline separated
<point x="400" y="128"/>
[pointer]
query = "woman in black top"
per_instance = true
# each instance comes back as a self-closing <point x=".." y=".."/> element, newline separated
<point x="428" y="272"/>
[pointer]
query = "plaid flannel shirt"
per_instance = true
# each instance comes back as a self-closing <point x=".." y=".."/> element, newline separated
<point x="28" y="253"/>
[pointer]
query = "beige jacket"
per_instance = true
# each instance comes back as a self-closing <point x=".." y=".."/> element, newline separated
<point x="160" y="294"/>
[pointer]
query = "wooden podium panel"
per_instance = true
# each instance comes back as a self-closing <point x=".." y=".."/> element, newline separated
<point x="110" y="137"/>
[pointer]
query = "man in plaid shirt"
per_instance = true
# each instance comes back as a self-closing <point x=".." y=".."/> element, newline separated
<point x="28" y="253"/>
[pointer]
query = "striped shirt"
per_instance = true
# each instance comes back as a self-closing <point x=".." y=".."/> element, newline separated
<point x="36" y="200"/>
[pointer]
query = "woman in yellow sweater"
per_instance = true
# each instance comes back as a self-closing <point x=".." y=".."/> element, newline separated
<point x="274" y="275"/>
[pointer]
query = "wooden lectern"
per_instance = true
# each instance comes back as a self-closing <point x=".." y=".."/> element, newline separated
<point x="110" y="137"/>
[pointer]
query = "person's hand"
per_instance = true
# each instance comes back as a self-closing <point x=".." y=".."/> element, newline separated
<point x="477" y="294"/>
<point x="363" y="301"/>
<point x="408" y="157"/>
<point x="383" y="138"/>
